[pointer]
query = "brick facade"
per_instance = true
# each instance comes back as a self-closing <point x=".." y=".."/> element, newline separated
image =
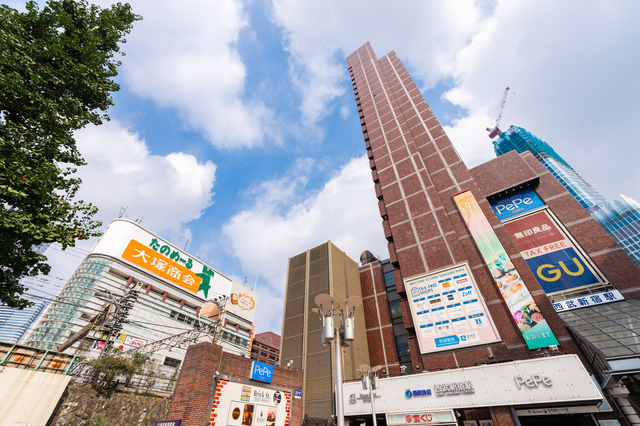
<point x="195" y="391"/>
<point x="416" y="171"/>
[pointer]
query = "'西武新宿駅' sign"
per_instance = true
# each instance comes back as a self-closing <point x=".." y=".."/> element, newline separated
<point x="524" y="310"/>
<point x="531" y="382"/>
<point x="448" y="311"/>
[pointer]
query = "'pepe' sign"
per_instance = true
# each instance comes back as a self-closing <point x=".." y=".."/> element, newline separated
<point x="515" y="204"/>
<point x="261" y="372"/>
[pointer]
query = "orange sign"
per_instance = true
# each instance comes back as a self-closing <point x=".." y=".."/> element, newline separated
<point x="153" y="261"/>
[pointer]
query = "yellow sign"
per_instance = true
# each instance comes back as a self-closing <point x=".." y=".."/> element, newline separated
<point x="153" y="261"/>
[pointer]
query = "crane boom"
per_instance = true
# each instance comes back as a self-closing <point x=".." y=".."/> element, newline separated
<point x="495" y="131"/>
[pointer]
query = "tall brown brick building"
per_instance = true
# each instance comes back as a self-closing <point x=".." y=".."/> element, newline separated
<point x="419" y="181"/>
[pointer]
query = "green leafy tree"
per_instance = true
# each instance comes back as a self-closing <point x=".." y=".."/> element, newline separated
<point x="56" y="75"/>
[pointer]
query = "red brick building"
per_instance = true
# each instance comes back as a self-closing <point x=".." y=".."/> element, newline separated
<point x="266" y="348"/>
<point x="216" y="388"/>
<point x="418" y="176"/>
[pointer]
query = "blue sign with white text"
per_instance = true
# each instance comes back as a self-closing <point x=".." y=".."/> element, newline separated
<point x="561" y="270"/>
<point x="515" y="204"/>
<point x="261" y="372"/>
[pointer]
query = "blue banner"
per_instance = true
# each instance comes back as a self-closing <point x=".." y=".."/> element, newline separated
<point x="261" y="372"/>
<point x="518" y="203"/>
<point x="561" y="270"/>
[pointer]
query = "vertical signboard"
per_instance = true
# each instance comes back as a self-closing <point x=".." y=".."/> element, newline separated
<point x="526" y="314"/>
<point x="551" y="256"/>
<point x="448" y="311"/>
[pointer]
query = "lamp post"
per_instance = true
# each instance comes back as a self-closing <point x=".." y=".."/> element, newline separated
<point x="328" y="306"/>
<point x="370" y="381"/>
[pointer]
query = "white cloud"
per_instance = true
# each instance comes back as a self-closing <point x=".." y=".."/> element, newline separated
<point x="168" y="191"/>
<point x="183" y="55"/>
<point x="319" y="35"/>
<point x="574" y="72"/>
<point x="266" y="235"/>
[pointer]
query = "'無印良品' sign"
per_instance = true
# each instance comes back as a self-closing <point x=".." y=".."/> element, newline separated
<point x="552" y="257"/>
<point x="524" y="310"/>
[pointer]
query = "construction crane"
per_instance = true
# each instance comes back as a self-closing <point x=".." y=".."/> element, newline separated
<point x="495" y="131"/>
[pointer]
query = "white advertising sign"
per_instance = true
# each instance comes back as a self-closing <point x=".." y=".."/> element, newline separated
<point x="129" y="242"/>
<point x="448" y="311"/>
<point x="248" y="405"/>
<point x="554" y="380"/>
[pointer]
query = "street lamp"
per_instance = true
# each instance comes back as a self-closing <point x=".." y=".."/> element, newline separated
<point x="328" y="306"/>
<point x="370" y="381"/>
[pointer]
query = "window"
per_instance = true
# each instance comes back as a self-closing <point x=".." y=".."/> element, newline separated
<point x="171" y="362"/>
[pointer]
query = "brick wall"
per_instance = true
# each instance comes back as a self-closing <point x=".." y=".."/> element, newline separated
<point x="195" y="390"/>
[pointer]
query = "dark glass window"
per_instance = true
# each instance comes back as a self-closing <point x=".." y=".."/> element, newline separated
<point x="171" y="362"/>
<point x="394" y="309"/>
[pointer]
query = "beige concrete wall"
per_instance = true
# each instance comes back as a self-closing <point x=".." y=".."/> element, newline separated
<point x="29" y="397"/>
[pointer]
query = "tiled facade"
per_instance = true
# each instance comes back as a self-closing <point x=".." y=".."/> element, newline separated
<point x="416" y="171"/>
<point x="324" y="269"/>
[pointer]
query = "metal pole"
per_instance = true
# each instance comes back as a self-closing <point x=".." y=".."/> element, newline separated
<point x="373" y="401"/>
<point x="338" y="355"/>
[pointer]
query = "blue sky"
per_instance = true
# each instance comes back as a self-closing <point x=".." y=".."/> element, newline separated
<point x="236" y="126"/>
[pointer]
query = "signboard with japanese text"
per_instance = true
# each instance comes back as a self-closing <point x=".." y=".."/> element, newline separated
<point x="551" y="256"/>
<point x="126" y="240"/>
<point x="158" y="264"/>
<point x="421" y="418"/>
<point x="516" y="204"/>
<point x="244" y="405"/>
<point x="525" y="313"/>
<point x="588" y="300"/>
<point x="448" y="312"/>
<point x="531" y="382"/>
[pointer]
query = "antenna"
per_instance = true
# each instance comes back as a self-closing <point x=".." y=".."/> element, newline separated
<point x="256" y="283"/>
<point x="186" y="244"/>
<point x="122" y="211"/>
<point x="198" y="256"/>
<point x="246" y="278"/>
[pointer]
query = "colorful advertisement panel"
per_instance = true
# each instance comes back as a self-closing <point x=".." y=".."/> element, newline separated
<point x="515" y="204"/>
<point x="551" y="256"/>
<point x="526" y="314"/>
<point x="448" y="312"/>
<point x="241" y="405"/>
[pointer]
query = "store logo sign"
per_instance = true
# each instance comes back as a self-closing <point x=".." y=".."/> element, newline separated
<point x="261" y="372"/>
<point x="533" y="381"/>
<point x="516" y="204"/>
<point x="417" y="392"/>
